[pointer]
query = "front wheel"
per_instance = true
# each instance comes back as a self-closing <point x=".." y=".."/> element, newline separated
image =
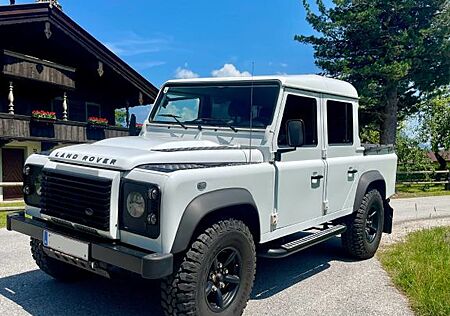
<point x="365" y="227"/>
<point x="216" y="275"/>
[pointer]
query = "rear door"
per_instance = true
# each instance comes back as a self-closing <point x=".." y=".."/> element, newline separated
<point x="341" y="158"/>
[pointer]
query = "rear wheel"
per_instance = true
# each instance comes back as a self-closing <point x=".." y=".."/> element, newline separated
<point x="216" y="275"/>
<point x="365" y="227"/>
<point x="58" y="270"/>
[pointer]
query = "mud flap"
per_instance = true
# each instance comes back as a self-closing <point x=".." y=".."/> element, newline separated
<point x="388" y="217"/>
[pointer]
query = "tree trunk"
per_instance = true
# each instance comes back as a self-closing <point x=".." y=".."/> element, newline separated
<point x="442" y="162"/>
<point x="388" y="133"/>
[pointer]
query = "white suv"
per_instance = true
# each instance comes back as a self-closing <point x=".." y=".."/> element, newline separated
<point x="223" y="170"/>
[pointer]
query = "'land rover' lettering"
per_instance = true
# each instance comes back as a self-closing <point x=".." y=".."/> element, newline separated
<point x="99" y="160"/>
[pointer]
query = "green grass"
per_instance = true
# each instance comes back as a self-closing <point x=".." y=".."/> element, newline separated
<point x="12" y="204"/>
<point x="420" y="267"/>
<point x="419" y="190"/>
<point x="3" y="219"/>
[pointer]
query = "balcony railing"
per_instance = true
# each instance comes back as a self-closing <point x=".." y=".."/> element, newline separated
<point x="20" y="127"/>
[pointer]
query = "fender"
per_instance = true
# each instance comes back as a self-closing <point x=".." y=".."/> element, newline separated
<point x="203" y="205"/>
<point x="365" y="181"/>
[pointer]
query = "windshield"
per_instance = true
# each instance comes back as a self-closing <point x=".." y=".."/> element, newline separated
<point x="218" y="105"/>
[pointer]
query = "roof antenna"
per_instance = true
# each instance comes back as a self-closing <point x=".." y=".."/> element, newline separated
<point x="251" y="114"/>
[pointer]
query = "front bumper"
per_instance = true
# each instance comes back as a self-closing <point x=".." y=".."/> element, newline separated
<point x="148" y="265"/>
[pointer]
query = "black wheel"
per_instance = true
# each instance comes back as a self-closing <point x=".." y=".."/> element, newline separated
<point x="60" y="271"/>
<point x="216" y="274"/>
<point x="365" y="227"/>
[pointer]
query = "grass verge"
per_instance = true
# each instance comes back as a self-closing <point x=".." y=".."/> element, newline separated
<point x="420" y="267"/>
<point x="3" y="219"/>
<point x="12" y="204"/>
<point x="419" y="190"/>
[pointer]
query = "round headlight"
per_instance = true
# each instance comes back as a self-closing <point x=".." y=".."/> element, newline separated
<point x="135" y="204"/>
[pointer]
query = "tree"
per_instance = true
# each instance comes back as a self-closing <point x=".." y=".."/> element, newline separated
<point x="392" y="51"/>
<point x="411" y="157"/>
<point x="120" y="117"/>
<point x="435" y="125"/>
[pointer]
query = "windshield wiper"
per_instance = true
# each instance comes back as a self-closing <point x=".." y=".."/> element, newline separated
<point x="175" y="117"/>
<point x="209" y="119"/>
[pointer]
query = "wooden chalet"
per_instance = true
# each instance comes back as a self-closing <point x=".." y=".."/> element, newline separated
<point x="49" y="63"/>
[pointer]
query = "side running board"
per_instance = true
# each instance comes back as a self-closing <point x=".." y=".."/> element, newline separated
<point x="302" y="243"/>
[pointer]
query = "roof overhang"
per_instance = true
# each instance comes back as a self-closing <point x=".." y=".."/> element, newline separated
<point x="45" y="12"/>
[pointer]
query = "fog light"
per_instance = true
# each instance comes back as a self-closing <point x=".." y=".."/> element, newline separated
<point x="27" y="170"/>
<point x="26" y="190"/>
<point x="152" y="219"/>
<point x="153" y="194"/>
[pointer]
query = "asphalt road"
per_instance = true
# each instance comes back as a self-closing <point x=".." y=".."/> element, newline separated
<point x="318" y="281"/>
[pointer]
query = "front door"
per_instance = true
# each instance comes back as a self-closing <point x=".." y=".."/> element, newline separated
<point x="300" y="182"/>
<point x="12" y="164"/>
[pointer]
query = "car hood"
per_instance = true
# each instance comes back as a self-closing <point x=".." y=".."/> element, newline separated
<point x="126" y="153"/>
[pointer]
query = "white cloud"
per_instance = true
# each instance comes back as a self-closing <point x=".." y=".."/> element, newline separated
<point x="148" y="64"/>
<point x="184" y="73"/>
<point x="229" y="70"/>
<point x="132" y="44"/>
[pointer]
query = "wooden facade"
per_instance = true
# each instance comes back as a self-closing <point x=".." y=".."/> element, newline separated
<point x="49" y="63"/>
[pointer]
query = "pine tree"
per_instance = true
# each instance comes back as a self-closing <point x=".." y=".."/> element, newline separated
<point x="393" y="51"/>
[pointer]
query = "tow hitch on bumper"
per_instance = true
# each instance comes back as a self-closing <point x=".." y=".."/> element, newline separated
<point x="148" y="265"/>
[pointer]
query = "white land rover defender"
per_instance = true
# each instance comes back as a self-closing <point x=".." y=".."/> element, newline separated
<point x="224" y="170"/>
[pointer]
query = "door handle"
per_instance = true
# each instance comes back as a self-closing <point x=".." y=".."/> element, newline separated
<point x="352" y="171"/>
<point x="317" y="177"/>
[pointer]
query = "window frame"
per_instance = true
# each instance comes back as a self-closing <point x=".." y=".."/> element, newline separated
<point x="309" y="152"/>
<point x="231" y="83"/>
<point x="328" y="98"/>
<point x="317" y="106"/>
<point x="87" y="103"/>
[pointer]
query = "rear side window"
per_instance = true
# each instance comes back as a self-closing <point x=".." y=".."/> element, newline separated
<point x="300" y="108"/>
<point x="340" y="123"/>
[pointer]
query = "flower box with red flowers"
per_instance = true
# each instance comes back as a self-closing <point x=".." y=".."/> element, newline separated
<point x="43" y="116"/>
<point x="97" y="122"/>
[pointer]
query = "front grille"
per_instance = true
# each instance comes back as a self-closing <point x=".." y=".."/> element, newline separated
<point x="77" y="198"/>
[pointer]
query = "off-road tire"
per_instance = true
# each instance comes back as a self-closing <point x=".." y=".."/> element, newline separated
<point x="354" y="239"/>
<point x="60" y="271"/>
<point x="183" y="292"/>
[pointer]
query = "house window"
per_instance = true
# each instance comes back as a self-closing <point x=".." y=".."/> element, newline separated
<point x="92" y="109"/>
<point x="340" y="123"/>
<point x="300" y="108"/>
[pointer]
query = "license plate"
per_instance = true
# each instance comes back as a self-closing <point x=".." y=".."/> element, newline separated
<point x="66" y="245"/>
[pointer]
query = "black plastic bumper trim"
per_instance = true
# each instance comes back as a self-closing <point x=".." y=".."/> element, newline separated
<point x="148" y="265"/>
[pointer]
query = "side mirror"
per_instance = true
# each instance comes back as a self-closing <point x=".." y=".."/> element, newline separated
<point x="295" y="133"/>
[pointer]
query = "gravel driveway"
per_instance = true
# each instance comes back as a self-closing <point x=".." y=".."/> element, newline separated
<point x="318" y="281"/>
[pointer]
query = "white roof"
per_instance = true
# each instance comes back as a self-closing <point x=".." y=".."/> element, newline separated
<point x="304" y="82"/>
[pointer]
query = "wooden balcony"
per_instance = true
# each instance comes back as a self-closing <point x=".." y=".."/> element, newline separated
<point x="21" y="128"/>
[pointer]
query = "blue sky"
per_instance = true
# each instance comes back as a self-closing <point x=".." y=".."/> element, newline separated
<point x="168" y="39"/>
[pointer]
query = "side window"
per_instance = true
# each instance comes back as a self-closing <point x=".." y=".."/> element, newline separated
<point x="92" y="109"/>
<point x="300" y="108"/>
<point x="340" y="123"/>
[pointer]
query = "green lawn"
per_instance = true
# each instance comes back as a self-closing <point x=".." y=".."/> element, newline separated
<point x="11" y="204"/>
<point x="415" y="190"/>
<point x="420" y="267"/>
<point x="3" y="219"/>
